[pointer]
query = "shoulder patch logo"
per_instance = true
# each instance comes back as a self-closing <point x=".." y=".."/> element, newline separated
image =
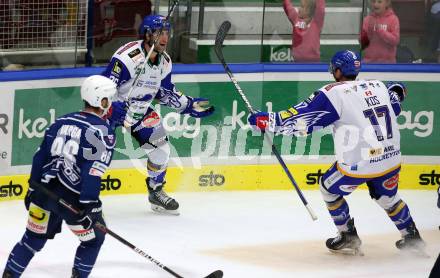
<point x="117" y="68"/>
<point x="134" y="53"/>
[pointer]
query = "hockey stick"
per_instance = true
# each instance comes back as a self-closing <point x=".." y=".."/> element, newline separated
<point x="220" y="37"/>
<point x="175" y="3"/>
<point x="105" y="229"/>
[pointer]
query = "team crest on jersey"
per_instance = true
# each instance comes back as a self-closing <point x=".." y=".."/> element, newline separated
<point x="391" y="183"/>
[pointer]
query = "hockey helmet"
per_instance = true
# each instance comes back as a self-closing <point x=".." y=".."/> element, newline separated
<point x="97" y="87"/>
<point x="152" y="23"/>
<point x="347" y="61"/>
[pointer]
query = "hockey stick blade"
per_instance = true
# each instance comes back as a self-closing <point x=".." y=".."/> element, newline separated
<point x="215" y="274"/>
<point x="220" y="38"/>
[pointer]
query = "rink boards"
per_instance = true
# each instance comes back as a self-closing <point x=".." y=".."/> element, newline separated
<point x="232" y="156"/>
<point x="227" y="178"/>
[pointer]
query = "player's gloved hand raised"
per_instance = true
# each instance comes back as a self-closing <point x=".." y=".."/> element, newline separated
<point x="116" y="113"/>
<point x="91" y="213"/>
<point x="399" y="88"/>
<point x="198" y="107"/>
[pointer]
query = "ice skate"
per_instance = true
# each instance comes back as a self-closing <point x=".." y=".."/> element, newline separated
<point x="7" y="274"/>
<point x="347" y="242"/>
<point x="412" y="242"/>
<point x="161" y="202"/>
<point x="75" y="273"/>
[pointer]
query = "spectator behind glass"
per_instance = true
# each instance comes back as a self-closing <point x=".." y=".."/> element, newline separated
<point x="380" y="33"/>
<point x="434" y="30"/>
<point x="307" y="25"/>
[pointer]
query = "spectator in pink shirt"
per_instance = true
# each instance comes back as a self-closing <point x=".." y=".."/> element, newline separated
<point x="380" y="33"/>
<point x="307" y="25"/>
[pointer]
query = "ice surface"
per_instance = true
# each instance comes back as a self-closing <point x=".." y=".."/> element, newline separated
<point x="245" y="234"/>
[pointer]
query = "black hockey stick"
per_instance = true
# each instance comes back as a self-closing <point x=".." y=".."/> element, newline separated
<point x="175" y="3"/>
<point x="105" y="229"/>
<point x="220" y="37"/>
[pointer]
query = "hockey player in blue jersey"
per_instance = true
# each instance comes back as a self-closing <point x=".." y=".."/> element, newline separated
<point x="76" y="151"/>
<point x="367" y="146"/>
<point x="134" y="110"/>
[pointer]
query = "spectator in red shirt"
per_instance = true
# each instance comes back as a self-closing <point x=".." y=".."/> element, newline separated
<point x="307" y="25"/>
<point x="380" y="33"/>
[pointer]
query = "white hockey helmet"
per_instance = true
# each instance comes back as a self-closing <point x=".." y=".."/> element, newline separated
<point x="97" y="87"/>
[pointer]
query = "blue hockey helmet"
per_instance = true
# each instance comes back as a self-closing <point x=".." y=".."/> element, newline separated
<point x="152" y="23"/>
<point x="348" y="62"/>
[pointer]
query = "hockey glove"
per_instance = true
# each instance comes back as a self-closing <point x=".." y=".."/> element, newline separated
<point x="29" y="195"/>
<point x="116" y="113"/>
<point x="398" y="88"/>
<point x="264" y="120"/>
<point x="91" y="213"/>
<point x="28" y="198"/>
<point x="198" y="108"/>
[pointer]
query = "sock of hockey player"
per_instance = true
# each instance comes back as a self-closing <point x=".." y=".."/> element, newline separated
<point x="22" y="254"/>
<point x="85" y="259"/>
<point x="87" y="252"/>
<point x="339" y="212"/>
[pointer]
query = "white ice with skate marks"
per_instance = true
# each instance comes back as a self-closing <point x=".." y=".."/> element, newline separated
<point x="245" y="234"/>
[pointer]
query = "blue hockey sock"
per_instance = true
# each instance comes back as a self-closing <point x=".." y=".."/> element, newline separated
<point x="340" y="213"/>
<point x="401" y="216"/>
<point x="23" y="252"/>
<point x="85" y="258"/>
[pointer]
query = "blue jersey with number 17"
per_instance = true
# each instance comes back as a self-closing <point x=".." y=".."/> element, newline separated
<point x="365" y="132"/>
<point x="77" y="149"/>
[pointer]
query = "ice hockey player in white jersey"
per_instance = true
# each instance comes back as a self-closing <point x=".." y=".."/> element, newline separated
<point x="366" y="142"/>
<point x="134" y="110"/>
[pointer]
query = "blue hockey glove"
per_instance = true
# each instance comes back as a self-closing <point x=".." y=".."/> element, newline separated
<point x="91" y="213"/>
<point x="198" y="108"/>
<point x="399" y="88"/>
<point x="117" y="113"/>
